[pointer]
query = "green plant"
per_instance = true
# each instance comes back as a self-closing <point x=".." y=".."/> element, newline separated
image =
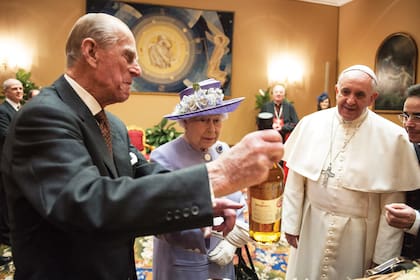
<point x="262" y="97"/>
<point x="25" y="78"/>
<point x="161" y="133"/>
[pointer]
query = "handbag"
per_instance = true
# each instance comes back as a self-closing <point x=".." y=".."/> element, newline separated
<point x="242" y="270"/>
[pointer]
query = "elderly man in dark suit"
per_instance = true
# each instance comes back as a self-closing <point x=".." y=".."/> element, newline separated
<point x="407" y="216"/>
<point x="13" y="92"/>
<point x="78" y="193"/>
<point x="285" y="117"/>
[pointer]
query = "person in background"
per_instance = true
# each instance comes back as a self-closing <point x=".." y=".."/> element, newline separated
<point x="187" y="254"/>
<point x="345" y="164"/>
<point x="13" y="92"/>
<point x="407" y="216"/>
<point x="33" y="92"/>
<point x="78" y="193"/>
<point x="285" y="117"/>
<point x="323" y="101"/>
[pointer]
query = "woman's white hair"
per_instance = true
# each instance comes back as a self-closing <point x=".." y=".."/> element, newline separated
<point x="181" y="122"/>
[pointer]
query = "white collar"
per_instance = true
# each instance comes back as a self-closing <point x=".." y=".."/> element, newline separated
<point x="15" y="105"/>
<point x="86" y="97"/>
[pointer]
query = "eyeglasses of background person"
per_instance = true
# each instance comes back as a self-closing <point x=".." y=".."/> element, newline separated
<point x="404" y="117"/>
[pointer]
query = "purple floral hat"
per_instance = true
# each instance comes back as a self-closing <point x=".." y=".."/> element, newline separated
<point x="201" y="99"/>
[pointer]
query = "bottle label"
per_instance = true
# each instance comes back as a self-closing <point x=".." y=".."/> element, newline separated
<point x="266" y="211"/>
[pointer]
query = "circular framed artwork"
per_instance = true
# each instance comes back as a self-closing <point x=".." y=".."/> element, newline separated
<point x="177" y="46"/>
<point x="164" y="46"/>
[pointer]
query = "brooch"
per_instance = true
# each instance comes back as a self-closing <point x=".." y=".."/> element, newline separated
<point x="207" y="157"/>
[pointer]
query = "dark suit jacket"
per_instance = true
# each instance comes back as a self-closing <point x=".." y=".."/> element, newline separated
<point x="411" y="245"/>
<point x="289" y="115"/>
<point x="6" y="114"/>
<point x="75" y="210"/>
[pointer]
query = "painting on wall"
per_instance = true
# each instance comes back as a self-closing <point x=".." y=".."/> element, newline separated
<point x="176" y="46"/>
<point x="396" y="62"/>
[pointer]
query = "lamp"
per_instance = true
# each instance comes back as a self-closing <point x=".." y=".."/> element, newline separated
<point x="285" y="69"/>
<point x="14" y="55"/>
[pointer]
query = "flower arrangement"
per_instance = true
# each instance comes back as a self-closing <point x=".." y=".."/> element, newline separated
<point x="200" y="99"/>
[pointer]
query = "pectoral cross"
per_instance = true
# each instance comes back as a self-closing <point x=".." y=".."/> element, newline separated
<point x="326" y="174"/>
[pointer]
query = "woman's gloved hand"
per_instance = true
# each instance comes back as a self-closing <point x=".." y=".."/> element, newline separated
<point x="224" y="252"/>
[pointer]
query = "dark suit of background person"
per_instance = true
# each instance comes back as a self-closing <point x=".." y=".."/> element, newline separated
<point x="13" y="91"/>
<point x="411" y="245"/>
<point x="73" y="204"/>
<point x="288" y="114"/>
<point x="6" y="114"/>
<point x="402" y="215"/>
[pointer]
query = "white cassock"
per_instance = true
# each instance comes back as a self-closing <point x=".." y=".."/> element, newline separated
<point x="340" y="218"/>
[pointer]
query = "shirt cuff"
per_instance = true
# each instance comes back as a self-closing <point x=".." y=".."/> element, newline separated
<point x="415" y="227"/>
<point x="212" y="194"/>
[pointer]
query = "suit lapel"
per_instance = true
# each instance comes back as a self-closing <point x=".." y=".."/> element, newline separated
<point x="417" y="148"/>
<point x="120" y="146"/>
<point x="70" y="97"/>
<point x="11" y="111"/>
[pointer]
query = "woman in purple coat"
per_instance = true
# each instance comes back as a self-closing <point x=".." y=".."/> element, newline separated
<point x="188" y="254"/>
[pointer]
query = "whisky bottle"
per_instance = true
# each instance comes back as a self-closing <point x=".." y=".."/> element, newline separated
<point x="265" y="199"/>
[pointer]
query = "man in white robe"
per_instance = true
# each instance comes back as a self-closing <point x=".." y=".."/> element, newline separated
<point x="345" y="164"/>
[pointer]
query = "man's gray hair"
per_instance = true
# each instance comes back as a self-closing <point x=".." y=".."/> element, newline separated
<point x="9" y="82"/>
<point x="102" y="28"/>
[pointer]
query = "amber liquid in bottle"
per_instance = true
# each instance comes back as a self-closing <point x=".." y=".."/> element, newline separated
<point x="265" y="199"/>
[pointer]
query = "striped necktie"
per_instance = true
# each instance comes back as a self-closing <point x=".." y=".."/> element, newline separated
<point x="105" y="130"/>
